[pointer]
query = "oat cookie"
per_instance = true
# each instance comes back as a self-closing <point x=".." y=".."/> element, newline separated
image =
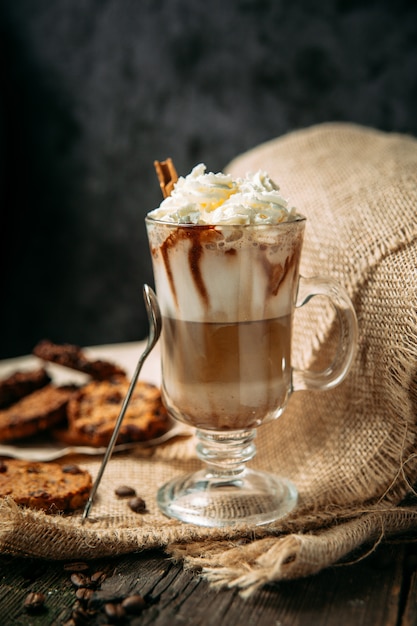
<point x="73" y="357"/>
<point x="35" y="413"/>
<point x="93" y="411"/>
<point x="48" y="486"/>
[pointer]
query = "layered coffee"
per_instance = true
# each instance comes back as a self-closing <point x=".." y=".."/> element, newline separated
<point x="226" y="376"/>
<point x="225" y="257"/>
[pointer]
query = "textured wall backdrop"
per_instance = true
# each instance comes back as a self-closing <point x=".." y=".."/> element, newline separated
<point x="92" y="91"/>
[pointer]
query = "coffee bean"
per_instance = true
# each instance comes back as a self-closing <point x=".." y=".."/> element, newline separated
<point x="98" y="577"/>
<point x="76" y="567"/>
<point x="34" y="601"/>
<point x="83" y="594"/>
<point x="3" y="467"/>
<point x="115" y="612"/>
<point x="124" y="491"/>
<point x="138" y="505"/>
<point x="80" y="580"/>
<point x="133" y="605"/>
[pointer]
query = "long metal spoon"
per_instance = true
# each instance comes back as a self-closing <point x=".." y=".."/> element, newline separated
<point x="155" y="325"/>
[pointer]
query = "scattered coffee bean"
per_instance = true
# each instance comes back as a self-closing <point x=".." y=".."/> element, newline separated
<point x="3" y="467"/>
<point x="83" y="594"/>
<point x="98" y="577"/>
<point x="124" y="491"/>
<point x="34" y="601"/>
<point x="138" y="505"/>
<point x="133" y="605"/>
<point x="76" y="567"/>
<point x="115" y="612"/>
<point x="80" y="580"/>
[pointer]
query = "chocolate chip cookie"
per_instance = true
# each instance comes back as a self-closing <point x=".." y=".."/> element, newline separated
<point x="48" y="486"/>
<point x="94" y="409"/>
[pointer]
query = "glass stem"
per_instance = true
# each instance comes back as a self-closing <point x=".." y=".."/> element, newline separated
<point x="226" y="453"/>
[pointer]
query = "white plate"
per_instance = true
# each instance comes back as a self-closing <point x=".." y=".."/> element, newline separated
<point x="125" y="355"/>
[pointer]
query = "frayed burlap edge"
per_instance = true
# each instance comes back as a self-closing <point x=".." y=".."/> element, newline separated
<point x="249" y="566"/>
<point x="32" y="533"/>
<point x="244" y="558"/>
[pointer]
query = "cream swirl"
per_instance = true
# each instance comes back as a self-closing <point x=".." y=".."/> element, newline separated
<point x="208" y="198"/>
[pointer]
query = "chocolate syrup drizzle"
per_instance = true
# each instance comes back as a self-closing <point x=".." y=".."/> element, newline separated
<point x="198" y="236"/>
<point x="277" y="273"/>
<point x="202" y="235"/>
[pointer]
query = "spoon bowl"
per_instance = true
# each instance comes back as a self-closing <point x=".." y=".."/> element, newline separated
<point x="154" y="318"/>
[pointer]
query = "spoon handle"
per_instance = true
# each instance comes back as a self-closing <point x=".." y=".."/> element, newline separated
<point x="152" y="339"/>
<point x="115" y="434"/>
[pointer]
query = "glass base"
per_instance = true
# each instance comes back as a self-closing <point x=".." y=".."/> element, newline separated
<point x="249" y="497"/>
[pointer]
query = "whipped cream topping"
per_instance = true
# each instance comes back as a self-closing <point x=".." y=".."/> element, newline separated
<point x="207" y="198"/>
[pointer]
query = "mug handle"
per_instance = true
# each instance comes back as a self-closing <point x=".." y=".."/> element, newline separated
<point x="348" y="335"/>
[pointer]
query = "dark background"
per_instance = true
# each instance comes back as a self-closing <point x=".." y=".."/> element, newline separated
<point x="92" y="91"/>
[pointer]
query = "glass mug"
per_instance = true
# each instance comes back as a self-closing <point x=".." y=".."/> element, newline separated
<point x="227" y="295"/>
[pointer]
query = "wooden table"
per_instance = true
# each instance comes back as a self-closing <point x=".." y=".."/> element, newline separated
<point x="380" y="590"/>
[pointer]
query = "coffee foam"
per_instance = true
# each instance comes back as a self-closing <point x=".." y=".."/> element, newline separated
<point x="225" y="273"/>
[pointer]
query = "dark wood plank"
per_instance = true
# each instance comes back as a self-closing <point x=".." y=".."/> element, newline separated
<point x="18" y="577"/>
<point x="409" y="616"/>
<point x="366" y="593"/>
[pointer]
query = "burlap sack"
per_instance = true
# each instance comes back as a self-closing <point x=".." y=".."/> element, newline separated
<point x="351" y="450"/>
